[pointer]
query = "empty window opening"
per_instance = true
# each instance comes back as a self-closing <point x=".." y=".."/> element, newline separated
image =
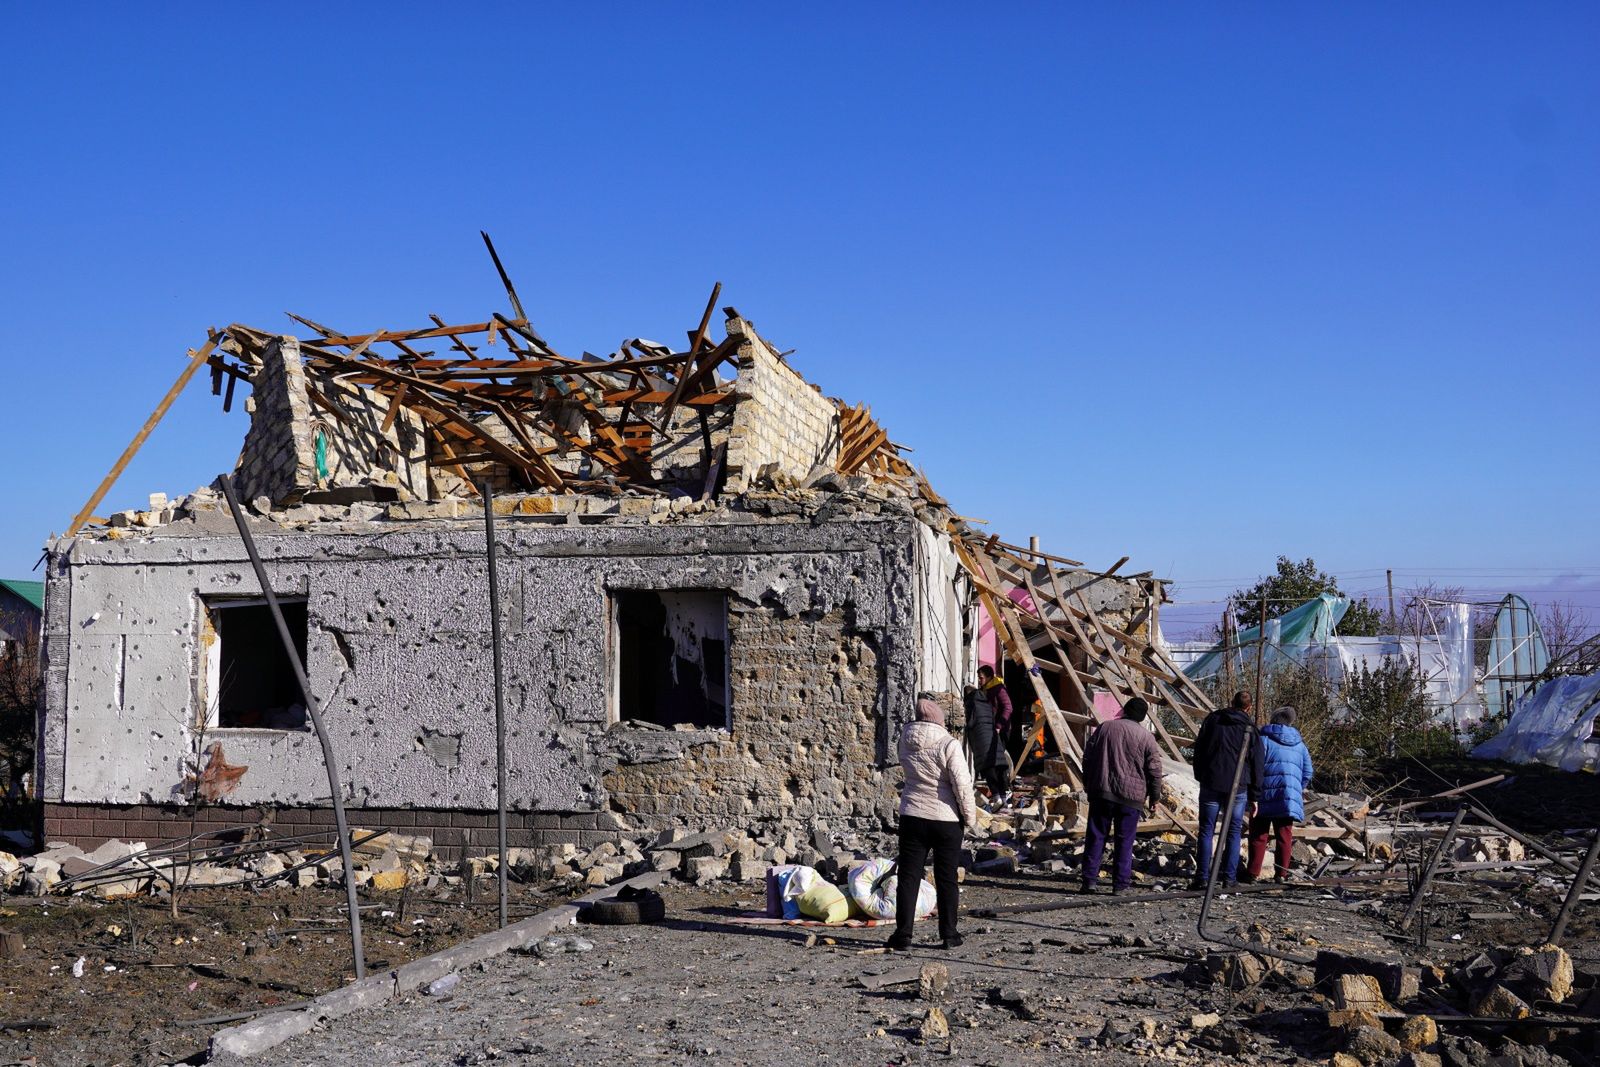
<point x="250" y="683"/>
<point x="670" y="664"/>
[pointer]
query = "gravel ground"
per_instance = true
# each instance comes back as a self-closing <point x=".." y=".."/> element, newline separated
<point x="698" y="986"/>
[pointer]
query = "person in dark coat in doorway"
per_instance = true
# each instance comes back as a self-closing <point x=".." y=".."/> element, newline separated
<point x="992" y="692"/>
<point x="1122" y="775"/>
<point x="1223" y="736"/>
<point x="1286" y="772"/>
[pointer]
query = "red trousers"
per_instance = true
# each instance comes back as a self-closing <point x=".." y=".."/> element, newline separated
<point x="1260" y="830"/>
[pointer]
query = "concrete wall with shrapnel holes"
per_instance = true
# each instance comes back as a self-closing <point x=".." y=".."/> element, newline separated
<point x="822" y="655"/>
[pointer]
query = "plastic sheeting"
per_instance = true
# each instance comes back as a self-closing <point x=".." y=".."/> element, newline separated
<point x="1312" y="623"/>
<point x="1552" y="726"/>
<point x="1305" y="636"/>
<point x="1517" y="655"/>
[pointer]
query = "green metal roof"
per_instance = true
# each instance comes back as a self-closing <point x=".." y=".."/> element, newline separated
<point x="32" y="592"/>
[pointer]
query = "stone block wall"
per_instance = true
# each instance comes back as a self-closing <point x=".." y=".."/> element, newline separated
<point x="781" y="418"/>
<point x="456" y="834"/>
<point x="277" y="461"/>
<point x="279" y="458"/>
<point x="359" y="451"/>
<point x="803" y="750"/>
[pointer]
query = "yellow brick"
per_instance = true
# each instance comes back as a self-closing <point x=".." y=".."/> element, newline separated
<point x="389" y="881"/>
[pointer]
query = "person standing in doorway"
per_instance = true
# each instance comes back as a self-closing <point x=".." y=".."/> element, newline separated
<point x="1224" y="735"/>
<point x="1285" y="774"/>
<point x="936" y="805"/>
<point x="1122" y="775"/>
<point x="993" y="691"/>
<point x="980" y="734"/>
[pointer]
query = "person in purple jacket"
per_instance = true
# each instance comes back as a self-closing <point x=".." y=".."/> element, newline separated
<point x="1285" y="774"/>
<point x="1122" y="775"/>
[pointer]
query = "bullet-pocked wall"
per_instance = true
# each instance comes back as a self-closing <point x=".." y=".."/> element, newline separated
<point x="820" y="657"/>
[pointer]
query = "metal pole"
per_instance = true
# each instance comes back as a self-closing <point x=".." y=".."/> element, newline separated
<point x="1394" y="623"/>
<point x="1261" y="658"/>
<point x="1560" y="928"/>
<point x="486" y="491"/>
<point x="315" y="711"/>
<point x="1432" y="867"/>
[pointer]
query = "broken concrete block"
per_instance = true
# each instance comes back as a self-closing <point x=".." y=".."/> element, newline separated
<point x="933" y="981"/>
<point x="934" y="1025"/>
<point x="389" y="881"/>
<point x="1419" y="1032"/>
<point x="1022" y="1002"/>
<point x="1236" y="970"/>
<point x="75" y="866"/>
<point x="711" y="843"/>
<point x="1359" y="991"/>
<point x="389" y="861"/>
<point x="1546" y="972"/>
<point x="45" y="873"/>
<point x="1372" y="1045"/>
<point x="1353" y="1019"/>
<point x="704" y="870"/>
<point x="1396" y="980"/>
<point x="1498" y="1002"/>
<point x="665" y="861"/>
<point x="1204" y="1020"/>
<point x="266" y="865"/>
<point x="1418" y="1058"/>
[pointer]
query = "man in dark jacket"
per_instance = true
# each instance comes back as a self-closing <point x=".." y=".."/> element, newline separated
<point x="1223" y="736"/>
<point x="1122" y="775"/>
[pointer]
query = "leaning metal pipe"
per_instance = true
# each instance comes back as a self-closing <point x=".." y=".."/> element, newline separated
<point x="1579" y="880"/>
<point x="1432" y="868"/>
<point x="486" y="491"/>
<point x="316" y="720"/>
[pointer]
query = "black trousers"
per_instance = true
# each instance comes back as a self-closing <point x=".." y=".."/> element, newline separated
<point x="918" y="837"/>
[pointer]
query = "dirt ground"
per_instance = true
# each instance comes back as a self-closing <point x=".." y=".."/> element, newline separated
<point x="148" y="978"/>
<point x="1096" y="978"/>
<point x="1104" y="979"/>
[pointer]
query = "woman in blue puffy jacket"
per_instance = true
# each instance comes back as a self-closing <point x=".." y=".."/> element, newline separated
<point x="1286" y="772"/>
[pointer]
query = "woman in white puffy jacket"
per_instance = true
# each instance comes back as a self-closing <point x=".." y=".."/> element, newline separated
<point x="935" y="806"/>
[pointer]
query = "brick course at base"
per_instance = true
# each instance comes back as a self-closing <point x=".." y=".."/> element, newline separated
<point x="89" y="825"/>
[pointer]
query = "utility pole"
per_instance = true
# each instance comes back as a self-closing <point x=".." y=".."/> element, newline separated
<point x="1394" y="624"/>
<point x="1261" y="658"/>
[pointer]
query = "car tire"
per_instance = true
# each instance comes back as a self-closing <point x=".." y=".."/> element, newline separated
<point x="613" y="911"/>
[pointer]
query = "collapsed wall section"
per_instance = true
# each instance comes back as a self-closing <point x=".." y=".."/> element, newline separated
<point x="810" y="756"/>
<point x="314" y="432"/>
<point x="783" y="423"/>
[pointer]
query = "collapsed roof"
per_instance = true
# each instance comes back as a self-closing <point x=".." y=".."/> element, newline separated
<point x="429" y="414"/>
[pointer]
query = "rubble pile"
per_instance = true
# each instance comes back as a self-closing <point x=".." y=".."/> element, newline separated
<point x="1380" y="1011"/>
<point x="772" y="495"/>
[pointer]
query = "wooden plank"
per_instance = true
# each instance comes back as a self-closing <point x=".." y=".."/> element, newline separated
<point x="1002" y="618"/>
<point x="197" y="359"/>
<point x="397" y="399"/>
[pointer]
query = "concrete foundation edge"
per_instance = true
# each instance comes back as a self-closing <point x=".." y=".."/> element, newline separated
<point x="258" y="1035"/>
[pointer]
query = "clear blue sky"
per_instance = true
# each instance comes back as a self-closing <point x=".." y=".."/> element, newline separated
<point x="1191" y="284"/>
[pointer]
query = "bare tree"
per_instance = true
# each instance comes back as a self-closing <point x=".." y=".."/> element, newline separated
<point x="1413" y="620"/>
<point x="20" y="680"/>
<point x="1565" y="626"/>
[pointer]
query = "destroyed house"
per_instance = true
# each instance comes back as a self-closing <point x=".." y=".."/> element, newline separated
<point x="720" y="590"/>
